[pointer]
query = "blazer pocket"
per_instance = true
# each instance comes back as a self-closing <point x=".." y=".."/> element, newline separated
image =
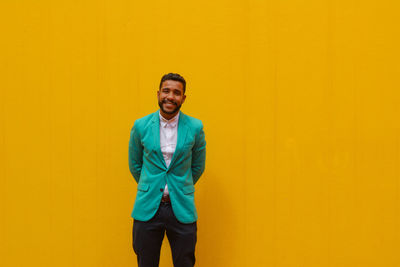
<point x="188" y="189"/>
<point x="143" y="187"/>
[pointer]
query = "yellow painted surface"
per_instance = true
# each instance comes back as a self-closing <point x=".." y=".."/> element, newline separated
<point x="300" y="102"/>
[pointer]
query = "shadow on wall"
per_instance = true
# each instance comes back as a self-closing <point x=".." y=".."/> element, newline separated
<point x="216" y="223"/>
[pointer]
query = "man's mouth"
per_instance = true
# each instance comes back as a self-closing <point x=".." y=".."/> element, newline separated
<point x="169" y="103"/>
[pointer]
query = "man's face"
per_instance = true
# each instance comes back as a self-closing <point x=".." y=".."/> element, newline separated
<point x="170" y="97"/>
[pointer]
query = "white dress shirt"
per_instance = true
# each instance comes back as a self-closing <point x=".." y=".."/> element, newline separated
<point x="168" y="139"/>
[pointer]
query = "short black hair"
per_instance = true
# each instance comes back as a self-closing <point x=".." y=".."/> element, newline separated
<point x="174" y="77"/>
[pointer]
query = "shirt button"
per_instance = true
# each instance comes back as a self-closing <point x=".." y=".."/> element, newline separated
<point x="161" y="189"/>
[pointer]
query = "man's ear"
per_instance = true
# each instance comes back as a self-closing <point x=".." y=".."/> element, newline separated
<point x="183" y="99"/>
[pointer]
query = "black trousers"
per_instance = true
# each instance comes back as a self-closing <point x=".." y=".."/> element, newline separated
<point x="147" y="239"/>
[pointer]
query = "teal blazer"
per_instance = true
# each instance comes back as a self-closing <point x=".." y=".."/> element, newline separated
<point x="148" y="167"/>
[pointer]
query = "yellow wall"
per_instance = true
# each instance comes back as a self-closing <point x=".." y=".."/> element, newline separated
<point x="300" y="102"/>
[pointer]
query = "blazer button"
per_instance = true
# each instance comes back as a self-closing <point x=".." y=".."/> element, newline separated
<point x="161" y="189"/>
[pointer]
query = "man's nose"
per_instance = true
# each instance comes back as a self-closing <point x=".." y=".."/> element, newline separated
<point x="170" y="96"/>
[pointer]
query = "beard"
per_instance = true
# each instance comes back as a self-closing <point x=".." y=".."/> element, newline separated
<point x="177" y="107"/>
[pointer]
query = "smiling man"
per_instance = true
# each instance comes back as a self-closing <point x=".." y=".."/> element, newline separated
<point x="167" y="151"/>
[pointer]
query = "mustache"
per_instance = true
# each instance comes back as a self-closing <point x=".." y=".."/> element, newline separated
<point x="169" y="102"/>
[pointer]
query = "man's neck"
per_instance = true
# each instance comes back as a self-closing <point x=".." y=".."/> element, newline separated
<point x="168" y="116"/>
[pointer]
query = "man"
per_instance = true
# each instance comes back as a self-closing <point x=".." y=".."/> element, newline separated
<point x="167" y="153"/>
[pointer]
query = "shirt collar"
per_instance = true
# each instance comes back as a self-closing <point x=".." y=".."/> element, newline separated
<point x="172" y="122"/>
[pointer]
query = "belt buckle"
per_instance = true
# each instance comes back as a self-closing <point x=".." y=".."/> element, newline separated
<point x="165" y="199"/>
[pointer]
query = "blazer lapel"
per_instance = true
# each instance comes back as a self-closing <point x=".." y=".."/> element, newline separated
<point x="182" y="132"/>
<point x="156" y="135"/>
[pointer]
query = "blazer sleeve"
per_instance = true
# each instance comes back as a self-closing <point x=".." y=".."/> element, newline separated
<point x="135" y="153"/>
<point x="199" y="156"/>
